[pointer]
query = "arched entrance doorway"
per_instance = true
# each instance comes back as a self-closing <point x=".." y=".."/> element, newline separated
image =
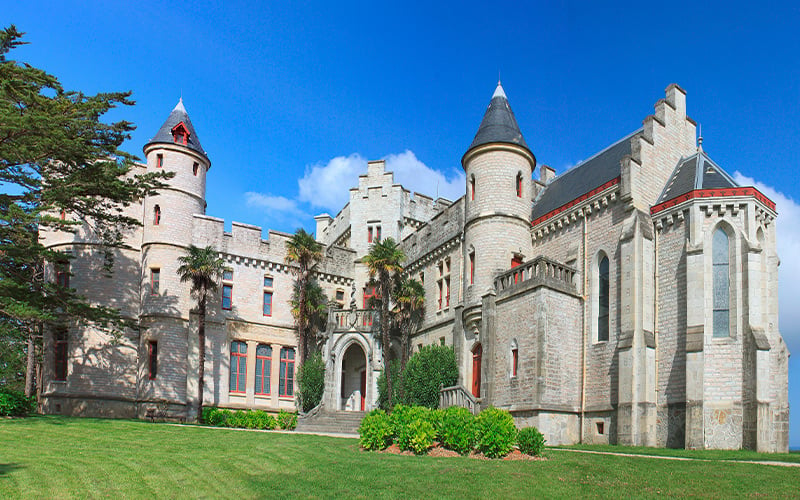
<point x="477" y="353"/>
<point x="353" y="387"/>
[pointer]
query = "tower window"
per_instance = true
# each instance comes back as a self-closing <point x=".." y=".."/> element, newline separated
<point x="721" y="281"/>
<point x="180" y="134"/>
<point x="519" y="185"/>
<point x="152" y="359"/>
<point x="514" y="361"/>
<point x="62" y="273"/>
<point x="155" y="278"/>
<point x="195" y="167"/>
<point x="267" y="303"/>
<point x="159" y="161"/>
<point x="472" y="267"/>
<point x="472" y="187"/>
<point x="227" y="297"/>
<point x="156" y="215"/>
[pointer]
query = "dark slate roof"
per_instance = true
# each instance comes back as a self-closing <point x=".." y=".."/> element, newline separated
<point x="164" y="134"/>
<point x="695" y="172"/>
<point x="587" y="175"/>
<point x="498" y="124"/>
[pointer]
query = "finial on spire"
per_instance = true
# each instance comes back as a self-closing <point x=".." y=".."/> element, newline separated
<point x="700" y="139"/>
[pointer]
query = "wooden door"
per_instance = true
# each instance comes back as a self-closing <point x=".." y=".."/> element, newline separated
<point x="476" y="370"/>
<point x="363" y="389"/>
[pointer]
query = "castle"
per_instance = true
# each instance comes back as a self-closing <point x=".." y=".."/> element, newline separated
<point x="631" y="299"/>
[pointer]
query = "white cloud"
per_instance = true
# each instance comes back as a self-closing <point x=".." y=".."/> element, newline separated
<point x="416" y="176"/>
<point x="788" y="236"/>
<point x="276" y="207"/>
<point x="327" y="186"/>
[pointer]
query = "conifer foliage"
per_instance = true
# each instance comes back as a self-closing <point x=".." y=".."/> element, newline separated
<point x="61" y="169"/>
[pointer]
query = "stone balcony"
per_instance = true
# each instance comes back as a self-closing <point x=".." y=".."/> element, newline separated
<point x="540" y="271"/>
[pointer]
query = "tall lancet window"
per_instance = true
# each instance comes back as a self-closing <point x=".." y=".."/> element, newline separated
<point x="602" y="300"/>
<point x="722" y="281"/>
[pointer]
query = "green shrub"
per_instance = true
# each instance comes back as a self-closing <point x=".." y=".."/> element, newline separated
<point x="403" y="427"/>
<point x="531" y="441"/>
<point x="375" y="433"/>
<point x="262" y="420"/>
<point x="311" y="382"/>
<point x="15" y="403"/>
<point x="242" y="419"/>
<point x="433" y="366"/>
<point x="287" y="420"/>
<point x="237" y="419"/>
<point x="458" y="430"/>
<point x="397" y="387"/>
<point x="420" y="436"/>
<point x="397" y="419"/>
<point x="496" y="432"/>
<point x="436" y="418"/>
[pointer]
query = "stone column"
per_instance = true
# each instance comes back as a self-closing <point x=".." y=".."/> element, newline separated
<point x="695" y="335"/>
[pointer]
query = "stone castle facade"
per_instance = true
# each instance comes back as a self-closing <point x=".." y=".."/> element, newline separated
<point x="631" y="299"/>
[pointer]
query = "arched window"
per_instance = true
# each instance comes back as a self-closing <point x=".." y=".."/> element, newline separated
<point x="519" y="185"/>
<point x="514" y="357"/>
<point x="156" y="215"/>
<point x="238" y="366"/>
<point x="195" y="167"/>
<point x="602" y="299"/>
<point x="721" y="281"/>
<point x="472" y="187"/>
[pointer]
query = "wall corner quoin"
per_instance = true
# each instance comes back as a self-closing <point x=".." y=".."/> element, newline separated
<point x="676" y="98"/>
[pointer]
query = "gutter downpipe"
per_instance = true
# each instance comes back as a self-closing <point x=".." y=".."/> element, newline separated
<point x="583" y="344"/>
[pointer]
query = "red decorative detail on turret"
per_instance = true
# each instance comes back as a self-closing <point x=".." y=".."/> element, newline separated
<point x="714" y="193"/>
<point x="180" y="133"/>
<point x="584" y="197"/>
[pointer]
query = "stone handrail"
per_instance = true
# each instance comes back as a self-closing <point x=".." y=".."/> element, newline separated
<point x="362" y="320"/>
<point x="540" y="270"/>
<point x="457" y="396"/>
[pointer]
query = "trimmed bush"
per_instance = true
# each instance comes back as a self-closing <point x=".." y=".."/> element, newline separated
<point x="496" y="432"/>
<point x="420" y="436"/>
<point x="375" y="432"/>
<point x="436" y="418"/>
<point x="531" y="441"/>
<point x="433" y="366"/>
<point x="254" y="419"/>
<point x="311" y="382"/>
<point x="397" y="383"/>
<point x="237" y="419"/>
<point x="15" y="403"/>
<point x="287" y="420"/>
<point x="458" y="430"/>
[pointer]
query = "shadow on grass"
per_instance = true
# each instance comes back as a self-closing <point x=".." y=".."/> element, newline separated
<point x="6" y="468"/>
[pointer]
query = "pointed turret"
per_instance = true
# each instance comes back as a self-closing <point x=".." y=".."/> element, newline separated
<point x="499" y="123"/>
<point x="178" y="129"/>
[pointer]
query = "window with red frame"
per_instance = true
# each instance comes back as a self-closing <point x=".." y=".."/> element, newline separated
<point x="472" y="188"/>
<point x="155" y="279"/>
<point x="471" y="267"/>
<point x="152" y="359"/>
<point x="263" y="367"/>
<point x="514" y="361"/>
<point x="286" y="382"/>
<point x="62" y="273"/>
<point x="238" y="366"/>
<point x="227" y="297"/>
<point x="370" y="292"/>
<point x="180" y="134"/>
<point x="447" y="292"/>
<point x="159" y="161"/>
<point x="267" y="303"/>
<point x="369" y="234"/>
<point x="156" y="215"/>
<point x="60" y="345"/>
<point x="377" y="233"/>
<point x="519" y="185"/>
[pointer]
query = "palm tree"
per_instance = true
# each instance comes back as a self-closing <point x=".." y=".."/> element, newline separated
<point x="384" y="261"/>
<point x="304" y="252"/>
<point x="203" y="268"/>
<point x="315" y="306"/>
<point x="409" y="298"/>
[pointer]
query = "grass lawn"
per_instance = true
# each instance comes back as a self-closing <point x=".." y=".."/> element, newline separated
<point x="54" y="457"/>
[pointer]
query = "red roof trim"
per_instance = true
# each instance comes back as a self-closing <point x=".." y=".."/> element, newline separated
<point x="577" y="200"/>
<point x="714" y="193"/>
<point x="181" y="125"/>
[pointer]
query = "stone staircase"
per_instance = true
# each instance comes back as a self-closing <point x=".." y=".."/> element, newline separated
<point x="330" y="421"/>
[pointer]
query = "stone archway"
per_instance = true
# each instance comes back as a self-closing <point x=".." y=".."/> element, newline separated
<point x="353" y="386"/>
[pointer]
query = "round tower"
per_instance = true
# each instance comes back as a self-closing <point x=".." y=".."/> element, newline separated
<point x="499" y="167"/>
<point x="167" y="233"/>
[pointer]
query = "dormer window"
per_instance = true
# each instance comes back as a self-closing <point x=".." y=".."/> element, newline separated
<point x="180" y="134"/>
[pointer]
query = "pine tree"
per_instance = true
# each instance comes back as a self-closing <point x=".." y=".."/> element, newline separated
<point x="57" y="157"/>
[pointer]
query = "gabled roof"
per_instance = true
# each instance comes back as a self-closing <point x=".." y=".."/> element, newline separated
<point x="164" y="134"/>
<point x="695" y="172"/>
<point x="499" y="123"/>
<point x="587" y="175"/>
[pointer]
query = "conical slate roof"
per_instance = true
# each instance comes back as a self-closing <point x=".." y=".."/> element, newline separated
<point x="499" y="124"/>
<point x="177" y="116"/>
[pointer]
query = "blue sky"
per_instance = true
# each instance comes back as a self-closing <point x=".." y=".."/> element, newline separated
<point x="290" y="99"/>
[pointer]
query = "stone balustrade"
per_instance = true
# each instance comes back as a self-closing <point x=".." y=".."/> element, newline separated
<point x="457" y="396"/>
<point x="540" y="270"/>
<point x="362" y="320"/>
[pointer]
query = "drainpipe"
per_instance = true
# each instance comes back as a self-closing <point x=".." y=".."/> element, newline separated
<point x="585" y="322"/>
<point x="655" y="303"/>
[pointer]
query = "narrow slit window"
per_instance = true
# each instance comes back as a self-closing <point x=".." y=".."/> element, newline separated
<point x="227" y="297"/>
<point x="159" y="161"/>
<point x="602" y="300"/>
<point x="152" y="359"/>
<point x="267" y="304"/>
<point x="519" y="185"/>
<point x="155" y="279"/>
<point x="60" y="355"/>
<point x="156" y="215"/>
